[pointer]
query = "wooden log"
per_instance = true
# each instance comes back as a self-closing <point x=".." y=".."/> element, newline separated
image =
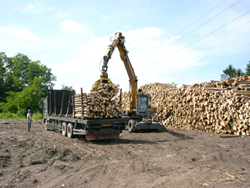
<point x="98" y="104"/>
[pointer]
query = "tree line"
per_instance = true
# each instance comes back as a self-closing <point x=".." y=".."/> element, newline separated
<point x="232" y="72"/>
<point x="24" y="83"/>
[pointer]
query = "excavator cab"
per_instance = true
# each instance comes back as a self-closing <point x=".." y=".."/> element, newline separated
<point x="142" y="105"/>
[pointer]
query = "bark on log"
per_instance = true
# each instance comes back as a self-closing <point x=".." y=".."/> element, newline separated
<point x="99" y="104"/>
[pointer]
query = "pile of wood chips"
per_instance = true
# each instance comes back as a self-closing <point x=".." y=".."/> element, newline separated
<point x="99" y="104"/>
<point x="216" y="107"/>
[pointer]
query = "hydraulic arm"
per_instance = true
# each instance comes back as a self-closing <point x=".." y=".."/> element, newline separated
<point x="118" y="42"/>
<point x="139" y="109"/>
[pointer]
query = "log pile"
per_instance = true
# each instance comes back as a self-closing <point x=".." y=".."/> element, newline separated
<point x="125" y="100"/>
<point x="202" y="110"/>
<point x="98" y="104"/>
<point x="206" y="107"/>
<point x="154" y="89"/>
<point x="238" y="83"/>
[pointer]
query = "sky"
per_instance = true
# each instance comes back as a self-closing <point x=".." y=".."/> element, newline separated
<point x="181" y="42"/>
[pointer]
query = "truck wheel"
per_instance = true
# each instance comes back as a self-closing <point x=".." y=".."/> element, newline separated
<point x="131" y="124"/>
<point x="70" y="130"/>
<point x="64" y="129"/>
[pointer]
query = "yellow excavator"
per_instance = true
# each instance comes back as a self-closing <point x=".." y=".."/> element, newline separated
<point x="139" y="112"/>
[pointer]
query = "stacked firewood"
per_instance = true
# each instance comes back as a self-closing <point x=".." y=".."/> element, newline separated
<point x="154" y="89"/>
<point x="238" y="83"/>
<point x="98" y="104"/>
<point x="210" y="109"/>
<point x="125" y="100"/>
<point x="242" y="83"/>
<point x="158" y="86"/>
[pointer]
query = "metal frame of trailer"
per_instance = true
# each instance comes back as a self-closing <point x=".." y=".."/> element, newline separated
<point x="60" y="118"/>
<point x="85" y="126"/>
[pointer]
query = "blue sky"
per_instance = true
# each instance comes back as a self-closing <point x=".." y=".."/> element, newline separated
<point x="185" y="41"/>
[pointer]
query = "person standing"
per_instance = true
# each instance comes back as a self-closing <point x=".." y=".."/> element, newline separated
<point x="29" y="120"/>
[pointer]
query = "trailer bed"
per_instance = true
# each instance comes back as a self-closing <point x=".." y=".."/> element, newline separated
<point x="58" y="115"/>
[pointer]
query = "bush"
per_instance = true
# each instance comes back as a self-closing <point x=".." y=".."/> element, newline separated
<point x="20" y="115"/>
<point x="37" y="115"/>
<point x="9" y="115"/>
<point x="22" y="112"/>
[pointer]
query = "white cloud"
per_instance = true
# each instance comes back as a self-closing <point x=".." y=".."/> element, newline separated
<point x="151" y="48"/>
<point x="61" y="14"/>
<point x="149" y="33"/>
<point x="35" y="7"/>
<point x="20" y="32"/>
<point x="72" y="27"/>
<point x="149" y="54"/>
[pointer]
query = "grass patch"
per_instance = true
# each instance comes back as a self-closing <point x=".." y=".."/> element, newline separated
<point x="9" y="115"/>
<point x="37" y="115"/>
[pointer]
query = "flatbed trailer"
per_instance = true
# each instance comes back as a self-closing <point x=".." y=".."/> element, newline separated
<point x="58" y="115"/>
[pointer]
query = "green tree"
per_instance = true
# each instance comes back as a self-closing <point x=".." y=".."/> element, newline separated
<point x="228" y="72"/>
<point x="69" y="88"/>
<point x="248" y="69"/>
<point x="24" y="83"/>
<point x="3" y="60"/>
<point x="31" y="95"/>
<point x="28" y="98"/>
<point x="20" y="71"/>
<point x="231" y="72"/>
<point x="239" y="72"/>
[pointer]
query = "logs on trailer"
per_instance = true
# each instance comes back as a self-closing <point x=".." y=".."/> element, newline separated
<point x="205" y="107"/>
<point x="98" y="104"/>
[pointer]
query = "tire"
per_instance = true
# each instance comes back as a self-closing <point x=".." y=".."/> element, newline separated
<point x="70" y="131"/>
<point x="64" y="129"/>
<point x="131" y="124"/>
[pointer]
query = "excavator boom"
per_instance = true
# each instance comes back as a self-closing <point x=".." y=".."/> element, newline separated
<point x="118" y="42"/>
<point x="131" y="74"/>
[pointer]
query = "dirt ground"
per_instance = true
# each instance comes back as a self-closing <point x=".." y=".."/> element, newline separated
<point x="177" y="158"/>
